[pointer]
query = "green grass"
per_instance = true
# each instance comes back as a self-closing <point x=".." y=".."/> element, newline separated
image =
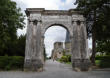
<point x="68" y="63"/>
<point x="97" y="62"/>
<point x="64" y="62"/>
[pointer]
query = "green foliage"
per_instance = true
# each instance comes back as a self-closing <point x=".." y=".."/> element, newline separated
<point x="103" y="46"/>
<point x="107" y="57"/>
<point x="19" y="49"/>
<point x="11" y="62"/>
<point x="11" y="19"/>
<point x="97" y="62"/>
<point x="16" y="48"/>
<point x="69" y="58"/>
<point x="103" y="61"/>
<point x="97" y="13"/>
<point x="65" y="58"/>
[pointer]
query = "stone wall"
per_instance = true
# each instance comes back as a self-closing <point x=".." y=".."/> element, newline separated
<point x="57" y="52"/>
<point x="68" y="48"/>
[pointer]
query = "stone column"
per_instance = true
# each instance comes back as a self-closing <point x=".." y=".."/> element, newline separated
<point x="28" y="49"/>
<point x="33" y="56"/>
<point x="80" y="62"/>
<point x="42" y="49"/>
<point x="85" y="62"/>
<point x="75" y="42"/>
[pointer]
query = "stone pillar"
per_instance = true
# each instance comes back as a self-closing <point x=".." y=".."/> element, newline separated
<point x="42" y="49"/>
<point x="80" y="61"/>
<point x="33" y="54"/>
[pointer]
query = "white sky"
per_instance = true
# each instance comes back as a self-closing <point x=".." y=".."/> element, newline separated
<point x="50" y="5"/>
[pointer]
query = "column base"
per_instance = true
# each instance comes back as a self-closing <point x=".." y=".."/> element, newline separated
<point x="81" y="64"/>
<point x="33" y="65"/>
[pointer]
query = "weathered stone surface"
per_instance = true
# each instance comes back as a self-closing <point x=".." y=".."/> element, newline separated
<point x="68" y="48"/>
<point x="81" y="64"/>
<point x="39" y="20"/>
<point x="57" y="51"/>
<point x="33" y="65"/>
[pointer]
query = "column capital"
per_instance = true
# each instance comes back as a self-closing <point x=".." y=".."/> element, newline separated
<point x="35" y="21"/>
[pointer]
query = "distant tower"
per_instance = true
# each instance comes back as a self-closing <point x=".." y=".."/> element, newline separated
<point x="67" y="44"/>
<point x="67" y="37"/>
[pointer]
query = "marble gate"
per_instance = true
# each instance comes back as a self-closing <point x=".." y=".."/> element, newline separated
<point x="39" y="20"/>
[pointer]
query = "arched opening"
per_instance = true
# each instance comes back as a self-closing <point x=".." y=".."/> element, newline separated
<point x="57" y="42"/>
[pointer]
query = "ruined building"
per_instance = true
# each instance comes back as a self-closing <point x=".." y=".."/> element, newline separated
<point x="57" y="52"/>
<point x="61" y="48"/>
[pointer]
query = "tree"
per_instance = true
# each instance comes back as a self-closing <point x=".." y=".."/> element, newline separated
<point x="20" y="46"/>
<point x="94" y="11"/>
<point x="103" y="46"/>
<point x="10" y="20"/>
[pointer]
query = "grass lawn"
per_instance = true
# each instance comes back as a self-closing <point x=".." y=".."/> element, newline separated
<point x="69" y="63"/>
<point x="97" y="62"/>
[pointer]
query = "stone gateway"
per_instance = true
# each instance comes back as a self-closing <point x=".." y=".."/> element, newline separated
<point x="39" y="20"/>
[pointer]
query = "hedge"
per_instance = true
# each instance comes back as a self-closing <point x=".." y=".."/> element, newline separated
<point x="11" y="62"/>
<point x="106" y="57"/>
<point x="104" y="61"/>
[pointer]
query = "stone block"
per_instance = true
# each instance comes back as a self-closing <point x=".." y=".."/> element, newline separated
<point x="33" y="65"/>
<point x="81" y="64"/>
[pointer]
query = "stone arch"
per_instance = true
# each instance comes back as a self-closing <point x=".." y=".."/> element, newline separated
<point x="39" y="20"/>
<point x="66" y="26"/>
<point x="55" y="24"/>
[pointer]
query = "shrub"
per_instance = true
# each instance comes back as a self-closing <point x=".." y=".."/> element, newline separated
<point x="107" y="57"/>
<point x="66" y="58"/>
<point x="104" y="64"/>
<point x="104" y="61"/>
<point x="69" y="58"/>
<point x="11" y="62"/>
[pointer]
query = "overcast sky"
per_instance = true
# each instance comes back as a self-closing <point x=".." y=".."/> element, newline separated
<point x="53" y="33"/>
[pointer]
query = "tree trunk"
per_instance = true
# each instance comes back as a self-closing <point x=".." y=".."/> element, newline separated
<point x="93" y="49"/>
<point x="93" y="40"/>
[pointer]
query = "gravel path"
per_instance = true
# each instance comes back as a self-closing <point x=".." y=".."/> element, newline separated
<point x="56" y="70"/>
